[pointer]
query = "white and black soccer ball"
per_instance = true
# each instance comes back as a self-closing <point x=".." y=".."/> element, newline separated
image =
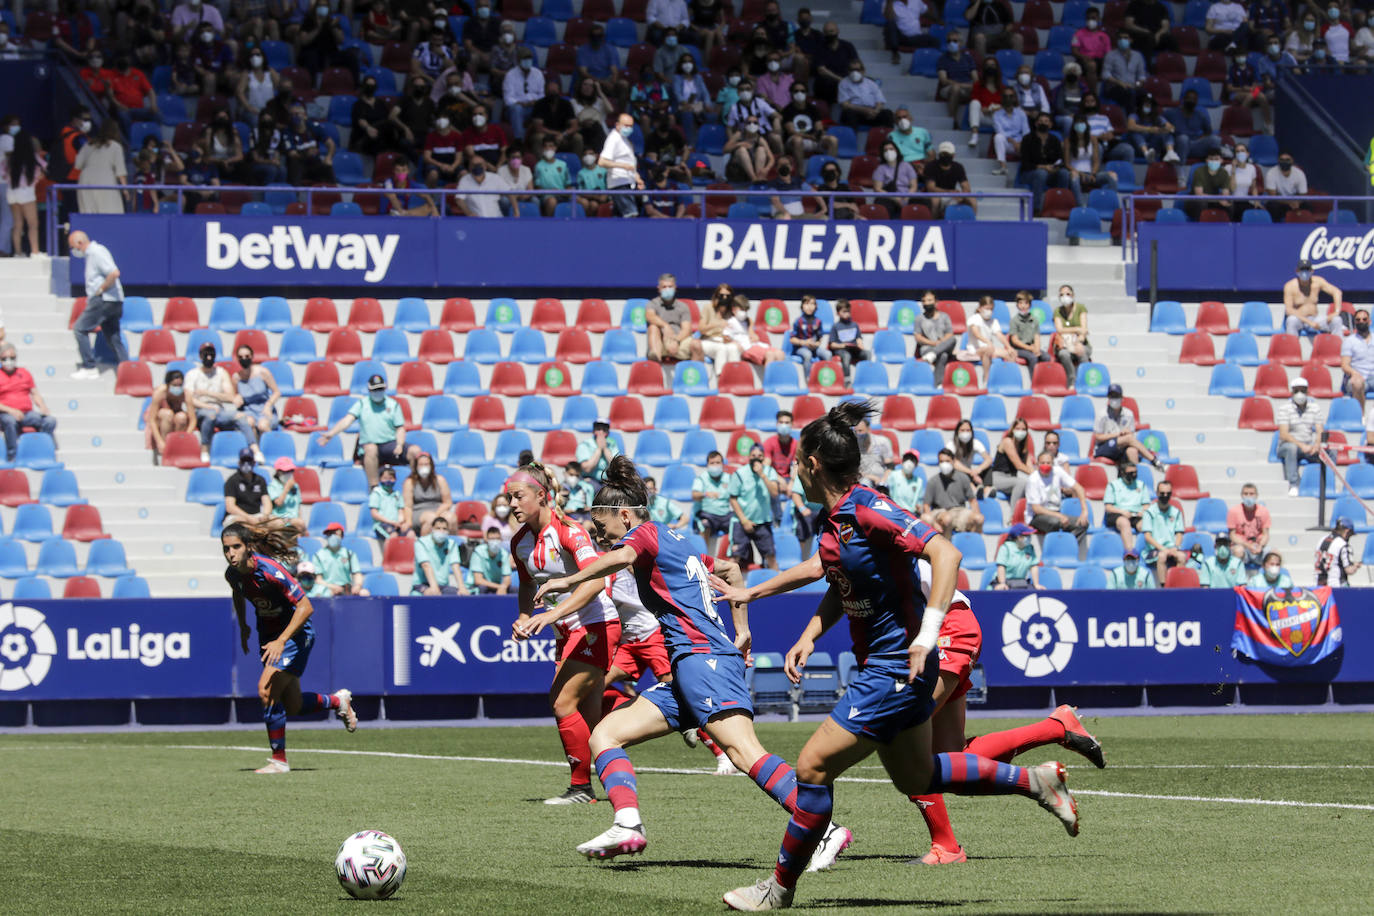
<point x="370" y="865"/>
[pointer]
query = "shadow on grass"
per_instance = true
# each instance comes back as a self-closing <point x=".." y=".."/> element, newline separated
<point x="293" y="770"/>
<point x="682" y="863"/>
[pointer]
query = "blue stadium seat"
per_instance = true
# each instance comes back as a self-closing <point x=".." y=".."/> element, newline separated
<point x="970" y="544"/>
<point x="59" y="488"/>
<point x="323" y="515"/>
<point x="696" y="445"/>
<point x="618" y="346"/>
<point x="226" y="314"/>
<point x="870" y="378"/>
<point x="654" y="449"/>
<point x="381" y="583"/>
<point x="205" y="486"/>
<point x="599" y="378"/>
<point x="1060" y="548"/>
<point x="1256" y="215"/>
<point x="341" y="113"/>
<point x="425" y="440"/>
<point x="273" y="315"/>
<point x="1085" y="224"/>
<point x="742" y="210"/>
<point x="277" y="444"/>
<point x="676" y="485"/>
<point x="198" y="337"/>
<point x="138" y="315"/>
<point x="481" y="345"/>
<point x="691" y="378"/>
<point x="1360" y="478"/>
<point x="1256" y="318"/>
<point x="528" y="347"/>
<point x="338" y="409"/>
<point x="1010" y="60"/>
<point x="889" y="347"/>
<point x="33" y="522"/>
<point x="1202" y="87"/>
<point x="329" y="455"/>
<point x="142" y="130"/>
<point x="254" y="208"/>
<point x="285" y="377"/>
<point x="278" y="197"/>
<point x="503" y="315"/>
<point x="489" y="480"/>
<point x="928" y="442"/>
<point x="224" y="448"/>
<point x="579" y="413"/>
<point x="14" y="563"/>
<point x="761" y="413"/>
<point x="298" y="346"/>
<point x="1105" y="201"/>
<point x="989" y="412"/>
<point x="916" y="377"/>
<point x="412" y="314"/>
<point x="1060" y="40"/>
<point x="130" y="587"/>
<point x="1210" y="515"/>
<point x="509" y="444"/>
<point x="820" y="684"/>
<point x="32" y="589"/>
<point x="846" y="140"/>
<point x="1089" y="576"/>
<point x="441" y="413"/>
<point x="924" y="61"/>
<point x="1105" y="550"/>
<point x="349" y="485"/>
<point x="1156" y="440"/>
<point x="1242" y="350"/>
<point x="993" y="522"/>
<point x="1006" y="379"/>
<point x="172" y="108"/>
<point x="357" y="383"/>
<point x="1351" y="508"/>
<point x="1168" y="317"/>
<point x="462" y="379"/>
<point x="784" y="378"/>
<point x="362" y="547"/>
<point x="57" y="558"/>
<point x="902" y="317"/>
<point x="673" y="413"/>
<point x="540" y="31"/>
<point x="1191" y="539"/>
<point x="632" y="315"/>
<point x="1345" y="416"/>
<point x="960" y="213"/>
<point x="391" y="346"/>
<point x="1049" y="64"/>
<point x="1171" y="215"/>
<point x="1072" y="508"/>
<point x="467" y="449"/>
<point x="1077" y="412"/>
<point x="107" y="558"/>
<point x="1093" y="379"/>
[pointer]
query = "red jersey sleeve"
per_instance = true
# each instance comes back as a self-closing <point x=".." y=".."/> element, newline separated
<point x="576" y="541"/>
<point x="644" y="541"/>
<point x="893" y="529"/>
<point x="710" y="562"/>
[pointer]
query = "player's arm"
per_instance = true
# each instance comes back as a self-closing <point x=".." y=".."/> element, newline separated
<point x="944" y="559"/>
<point x="729" y="571"/>
<point x="827" y="613"/>
<point x="804" y="573"/>
<point x="272" y="651"/>
<point x="241" y="612"/>
<point x="608" y="564"/>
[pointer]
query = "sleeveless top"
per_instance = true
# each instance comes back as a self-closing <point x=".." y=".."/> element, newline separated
<point x="255" y="393"/>
<point x="260" y="92"/>
<point x="1001" y="464"/>
<point x="425" y="499"/>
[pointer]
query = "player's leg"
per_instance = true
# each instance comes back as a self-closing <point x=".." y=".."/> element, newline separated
<point x="947" y="734"/>
<point x="573" y="685"/>
<point x="652" y="715"/>
<point x="1060" y="727"/>
<point x="270" y="686"/>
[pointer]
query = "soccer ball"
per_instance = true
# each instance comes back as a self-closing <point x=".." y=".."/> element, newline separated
<point x="370" y="865"/>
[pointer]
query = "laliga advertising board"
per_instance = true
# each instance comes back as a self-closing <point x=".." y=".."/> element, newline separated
<point x="1255" y="258"/>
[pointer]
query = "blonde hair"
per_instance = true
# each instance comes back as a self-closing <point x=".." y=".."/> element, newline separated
<point x="549" y="481"/>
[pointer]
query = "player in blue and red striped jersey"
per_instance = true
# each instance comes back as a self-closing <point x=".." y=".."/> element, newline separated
<point x="708" y="687"/>
<point x="870" y="548"/>
<point x="256" y="574"/>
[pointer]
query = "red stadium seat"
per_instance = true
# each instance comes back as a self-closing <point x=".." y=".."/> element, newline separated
<point x="861" y="169"/>
<point x="638" y="57"/>
<point x="320" y="314"/>
<point x="953" y="374"/>
<point x="1285" y="350"/>
<point x="573" y="346"/>
<point x="396" y="56"/>
<point x="1093" y="479"/>
<point x="297" y="208"/>
<point x="157" y="346"/>
<point x="1237" y="121"/>
<point x="561" y="59"/>
<point x="865" y="315"/>
<point x="1129" y="402"/>
<point x="718" y="205"/>
<point x="1214" y="215"/>
<point x="1343" y="457"/>
<point x="416" y="379"/>
<point x="1049" y="380"/>
<point x="1170" y="66"/>
<point x="488" y="414"/>
<point x="406" y="414"/>
<point x="1186" y="37"/>
<point x="365" y="314"/>
<point x="1271" y="381"/>
<point x="1184" y="479"/>
<point x="183" y="451"/>
<point x="955" y="310"/>
<point x="627" y="414"/>
<point x="1197" y="350"/>
<point x="805" y="408"/>
<point x="1319" y="381"/>
<point x="14" y="488"/>
<point x="254" y="340"/>
<point x="508" y="379"/>
<point x="594" y="316"/>
<point x="1212" y="318"/>
<point x="1211" y="66"/>
<point x="943" y="412"/>
<point x="210" y="208"/>
<point x="1035" y="411"/>
<point x="718" y="413"/>
<point x="81" y="587"/>
<point x="776" y="310"/>
<point x="636" y="10"/>
<point x="517" y="10"/>
<point x="1161" y="178"/>
<point x="576" y="29"/>
<point x="554" y="379"/>
<point x="336" y="81"/>
<point x="458" y="315"/>
<point x="134" y="379"/>
<point x="344" y="346"/>
<point x="322" y="380"/>
<point x="1299" y="216"/>
<point x="646" y="378"/>
<point x="39" y="26"/>
<point x="1257" y="413"/>
<point x="873" y="146"/>
<point x="899" y="413"/>
<point x="962" y="582"/>
<point x="1182" y="577"/>
<point x="560" y="447"/>
<point x="470" y="512"/>
<point x="308" y="479"/>
<point x="1038" y="14"/>
<point x="1057" y="203"/>
<point x="741" y="441"/>
<point x="398" y="556"/>
<point x="826" y="377"/>
<point x="83" y="524"/>
<point x="916" y="212"/>
<point x="1326" y="349"/>
<point x="299" y="414"/>
<point x="181" y="315"/>
<point x="436" y="346"/>
<point x="738" y="378"/>
<point x="873" y="212"/>
<point x="78" y="306"/>
<point x="548" y="315"/>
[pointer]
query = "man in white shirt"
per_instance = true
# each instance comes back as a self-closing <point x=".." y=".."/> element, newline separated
<point x="104" y="303"/>
<point x="622" y="167"/>
<point x="522" y="87"/>
<point x="1285" y="180"/>
<point x="663" y="15"/>
<point x="862" y="102"/>
<point x="1045" y="494"/>
<point x="903" y="27"/>
<point x="480" y="178"/>
<point x="1227" y="23"/>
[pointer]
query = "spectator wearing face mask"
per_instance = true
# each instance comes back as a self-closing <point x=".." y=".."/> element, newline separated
<point x="443" y="146"/>
<point x="1193" y="134"/>
<point x="386" y="507"/>
<point x="591" y="177"/>
<point x="662" y="509"/>
<point x="189" y="16"/>
<point x="749" y="157"/>
<point x="622" y="166"/>
<point x="786" y="201"/>
<point x="751" y="491"/>
<point x="374" y="129"/>
<point x="489" y="566"/>
<point x="1302" y="301"/>
<point x="1123" y="73"/>
<point x="168" y="410"/>
<point x="752" y="107"/>
<point x="1162" y="525"/>
<point x="257" y="85"/>
<point x="21" y="404"/>
<point x="775" y="85"/>
<point x="310" y="581"/>
<point x="1228" y="22"/>
<point x="482" y="177"/>
<point x="210" y="394"/>
<point x="1247" y="183"/>
<point x="1024" y="334"/>
<point x="670" y="325"/>
<point x="382" y="430"/>
<point x="970" y="455"/>
<point x="594" y="455"/>
<point x="991" y="27"/>
<point x="1070" y="342"/>
<point x="498" y="516"/>
<point x="875" y="457"/>
<point x="1357" y="358"/>
<point x="711" y="495"/>
<point x="426" y="494"/>
<point x="1045" y="492"/>
<point x="257" y="394"/>
<point x="1300" y="431"/>
<point x="481" y="34"/>
<point x="1125" y="501"/>
<point x="668" y="17"/>
<point x="1014" y="460"/>
<point x="831" y="63"/>
<point x="438" y="565"/>
<point x="1288" y="182"/>
<point x="246" y="497"/>
<point x="320" y="41"/>
<point x="522" y="87"/>
<point x="337" y="566"/>
<point x="1222" y="569"/>
<point x="945" y="174"/>
<point x="1147" y="22"/>
<point x="906" y="484"/>
<point x="1362" y="45"/>
<point x="1271" y="574"/>
<point x="781" y="448"/>
<point x="862" y="103"/>
<point x="1130" y="574"/>
<point x="599" y="60"/>
<point x="893" y="176"/>
<point x="285" y="493"/>
<point x="1249" y="524"/>
<point x="846" y="340"/>
<point x="803" y="128"/>
<point x="1242" y="86"/>
<point x="1114" y="433"/>
<point x="951" y="502"/>
<point x="484" y="139"/>
<point x="1150" y="133"/>
<point x="1011" y="128"/>
<point x="1210" y="179"/>
<point x="986" y="340"/>
<point x="807" y="334"/>
<point x="1018" y="566"/>
<point x="1090" y="44"/>
<point x="935" y="338"/>
<point x="1083" y="156"/>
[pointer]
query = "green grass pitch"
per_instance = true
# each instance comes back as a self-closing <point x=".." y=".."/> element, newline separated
<point x="176" y="822"/>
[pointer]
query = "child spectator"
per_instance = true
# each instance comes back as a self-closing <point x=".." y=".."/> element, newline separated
<point x="415" y="205"/>
<point x="807" y="342"/>
<point x="752" y="348"/>
<point x="711" y="494"/>
<point x="285" y="493"/>
<point x="438" y="570"/>
<point x="386" y="508"/>
<point x="846" y="340"/>
<point x="906" y="485"/>
<point x="551" y="174"/>
<point x="490" y="566"/>
<point x="591" y="177"/>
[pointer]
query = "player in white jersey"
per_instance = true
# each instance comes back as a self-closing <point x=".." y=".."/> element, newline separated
<point x="549" y="545"/>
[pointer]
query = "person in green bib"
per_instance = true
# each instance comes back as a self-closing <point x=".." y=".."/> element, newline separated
<point x="1162" y="523"/>
<point x="578" y="494"/>
<point x="1125" y="501"/>
<point x="336" y="565"/>
<point x="387" y="507"/>
<point x="314" y="586"/>
<point x="662" y="509"/>
<point x="907" y="485"/>
<point x="752" y="489"/>
<point x="285" y="493"/>
<point x="1223" y="570"/>
<point x="1018" y="567"/>
<point x="595" y="454"/>
<point x="489" y="565"/>
<point x="382" y="430"/>
<point x="437" y="569"/>
<point x="711" y="496"/>
<point x="1131" y="573"/>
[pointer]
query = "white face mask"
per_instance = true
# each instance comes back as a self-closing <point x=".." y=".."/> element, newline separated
<point x="799" y="97"/>
<point x="689" y="67"/>
<point x="909" y="467"/>
<point x="1114" y="403"/>
<point x="966" y="436"/>
<point x="746" y="95"/>
<point x="1023" y="78"/>
<point x="1242" y="156"/>
<point x="774" y="66"/>
<point x="1065" y="299"/>
<point x="502" y="511"/>
<point x="256" y="60"/>
<point x="856" y="76"/>
<point x="441" y="123"/>
<point x="751" y="128"/>
<point x="508" y="38"/>
<point x="1300" y="399"/>
<point x="890" y="155"/>
<point x="784" y="429"/>
<point x="549" y="154"/>
<point x="479" y="120"/>
<point x="1018" y="434"/>
<point x="904" y="124"/>
<point x="985" y="314"/>
<point x="946" y="467"/>
<point x="424" y="470"/>
<point x="589" y="161"/>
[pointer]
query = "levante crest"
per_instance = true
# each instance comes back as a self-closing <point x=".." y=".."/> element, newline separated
<point x="1286" y="626"/>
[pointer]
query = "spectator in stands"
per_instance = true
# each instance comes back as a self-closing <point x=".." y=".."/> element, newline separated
<point x="210" y="393"/>
<point x="716" y="344"/>
<point x="986" y="340"/>
<point x="954" y="71"/>
<point x="707" y="25"/>
<point x="104" y="303"/>
<point x="1024" y="335"/>
<point x="1211" y="179"/>
<point x="660" y="202"/>
<point x="902" y="27"/>
<point x="1357" y="358"/>
<point x="266" y="152"/>
<point x="667" y="17"/>
<point x="1274" y="58"/>
<point x="803" y="128"/>
<point x="970" y="455"/>
<point x="1068" y="96"/>
<point x="375" y="125"/>
<point x="753" y="107"/>
<point x="1011" y="128"/>
<point x="944" y="174"/>
<point x="951" y="502"/>
<point x="320" y="42"/>
<point x="1222" y="569"/>
<point x="489" y="565"/>
<point x="622" y="166"/>
<point x="1300" y="432"/>
<point x="285" y="493"/>
<point x="222" y="148"/>
<point x="985" y="96"/>
<point x="101" y="162"/>
<point x="831" y="63"/>
<point x="1150" y="133"/>
<point x="711" y="495"/>
<point x="386" y="508"/>
<point x="577" y="493"/>
<point x="594" y="455"/>
<point x="1249" y="524"/>
<point x="1247" y="183"/>
<point x="481" y="177"/>
<point x="96" y="75"/>
<point x="1114" y="433"/>
<point x="168" y="411"/>
<point x="906" y="485"/>
<point x="1362" y="46"/>
<point x="382" y="430"/>
<point x="522" y="87"/>
<point x="1192" y="128"/>
<point x="483" y="139"/>
<point x="1302" y="299"/>
<point x="1162" y="525"/>
<point x="432" y="57"/>
<point x="21" y="404"/>
<point x="190" y="16"/>
<point x="913" y="143"/>
<point x="1091" y="44"/>
<point x="844" y="207"/>
<point x="600" y="60"/>
<point x="935" y="338"/>
<point x="258" y="394"/>
<point x="1083" y="153"/>
<point x="1123" y="73"/>
<point x="991" y="27"/>
<point x="786" y="200"/>
<point x="749" y="158"/>
<point x="425" y="494"/>
<point x="22" y="167"/>
<point x="1051" y="446"/>
<point x="896" y="176"/>
<point x="808" y="517"/>
<point x="1271" y="574"/>
<point x="1045" y="492"/>
<point x="875" y="457"/>
<point x="1227" y="23"/>
<point x="257" y="86"/>
<point x="186" y="79"/>
<point x="690" y="96"/>
<point x="806" y="335"/>
<point x="309" y="150"/>
<point x="338" y="566"/>
<point x="552" y="118"/>
<point x="131" y="96"/>
<point x="670" y="325"/>
<point x="751" y="490"/>
<point x="846" y="340"/>
<point x="1125" y="500"/>
<point x="481" y="34"/>
<point x="1147" y="22"/>
<point x="1285" y="180"/>
<point x="1070" y="343"/>
<point x="1018" y="567"/>
<point x="1243" y="86"/>
<point x="1030" y="95"/>
<point x="1100" y="127"/>
<point x="1130" y="574"/>
<point x="438" y="564"/>
<point x="515" y="173"/>
<point x="245" y="493"/>
<point x="662" y="509"/>
<point x="775" y="85"/>
<point x="415" y="114"/>
<point x="1014" y="461"/>
<point x="781" y="448"/>
<point x="214" y="62"/>
<point x="254" y="22"/>
<point x="310" y="581"/>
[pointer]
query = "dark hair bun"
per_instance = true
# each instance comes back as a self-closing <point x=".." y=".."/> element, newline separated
<point x="850" y="413"/>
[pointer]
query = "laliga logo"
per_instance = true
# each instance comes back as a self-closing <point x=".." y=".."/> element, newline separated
<point x="1349" y="252"/>
<point x="439" y="643"/>
<point x="1038" y="635"/>
<point x="25" y="636"/>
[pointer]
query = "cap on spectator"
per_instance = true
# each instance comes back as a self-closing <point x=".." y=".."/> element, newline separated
<point x="1020" y="529"/>
<point x="283" y="464"/>
<point x="1130" y="554"/>
<point x="1073" y="67"/>
<point x="207" y="345"/>
<point x="912" y="454"/>
<point x="1304" y="264"/>
<point x="1223" y="537"/>
<point x="305" y="566"/>
<point x="945" y="147"/>
<point x="376" y="383"/>
<point x="1297" y="383"/>
<point x="602" y="423"/>
<point x="332" y="527"/>
<point x="246" y="454"/>
<point x="1113" y="390"/>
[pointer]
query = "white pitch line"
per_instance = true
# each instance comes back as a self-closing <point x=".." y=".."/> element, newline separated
<point x="1278" y="803"/>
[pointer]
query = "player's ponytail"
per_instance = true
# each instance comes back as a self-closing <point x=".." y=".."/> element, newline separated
<point x="275" y="538"/>
<point x="832" y="441"/>
<point x="622" y="487"/>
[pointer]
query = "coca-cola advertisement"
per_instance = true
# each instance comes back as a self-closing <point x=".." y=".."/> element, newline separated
<point x="1220" y="258"/>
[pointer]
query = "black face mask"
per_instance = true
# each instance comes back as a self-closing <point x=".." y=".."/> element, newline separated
<point x="929" y="309"/>
<point x="831" y="176"/>
<point x="1362" y="327"/>
<point x="945" y="158"/>
<point x="207" y="360"/>
<point x="245" y="361"/>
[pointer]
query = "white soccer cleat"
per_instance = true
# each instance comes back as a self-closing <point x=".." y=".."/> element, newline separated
<point x="768" y="894"/>
<point x="618" y="841"/>
<point x="836" y="840"/>
<point x="1047" y="780"/>
<point x="273" y="767"/>
<point x="724" y="767"/>
<point x="345" y="712"/>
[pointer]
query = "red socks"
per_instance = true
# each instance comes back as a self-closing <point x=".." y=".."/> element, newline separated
<point x="576" y="738"/>
<point x="1005" y="745"/>
<point x="706" y="740"/>
<point x="937" y="820"/>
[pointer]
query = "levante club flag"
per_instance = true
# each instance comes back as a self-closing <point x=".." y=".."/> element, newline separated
<point x="1286" y="626"/>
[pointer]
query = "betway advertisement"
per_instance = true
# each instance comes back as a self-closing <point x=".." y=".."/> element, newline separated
<point x="1230" y="257"/>
<point x="363" y="253"/>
